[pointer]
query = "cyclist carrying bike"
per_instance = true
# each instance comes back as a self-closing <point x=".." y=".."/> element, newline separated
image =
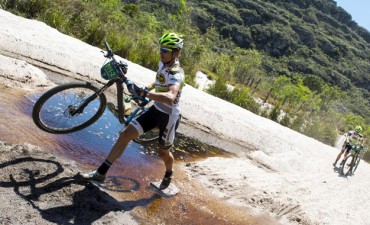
<point x="164" y="114"/>
<point x="351" y="137"/>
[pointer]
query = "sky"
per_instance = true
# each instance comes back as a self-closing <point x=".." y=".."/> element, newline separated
<point x="359" y="10"/>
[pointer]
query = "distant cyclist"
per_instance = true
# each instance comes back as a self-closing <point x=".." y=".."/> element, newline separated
<point x="351" y="137"/>
<point x="164" y="114"/>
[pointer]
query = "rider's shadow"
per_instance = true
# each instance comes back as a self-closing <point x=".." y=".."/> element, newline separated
<point x="88" y="204"/>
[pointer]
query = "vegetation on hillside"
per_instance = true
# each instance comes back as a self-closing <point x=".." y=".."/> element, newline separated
<point x="307" y="58"/>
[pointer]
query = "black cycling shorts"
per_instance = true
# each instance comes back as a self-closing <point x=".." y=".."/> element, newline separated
<point x="167" y="125"/>
<point x="347" y="147"/>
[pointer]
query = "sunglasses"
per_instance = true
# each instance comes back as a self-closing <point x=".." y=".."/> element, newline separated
<point x="166" y="50"/>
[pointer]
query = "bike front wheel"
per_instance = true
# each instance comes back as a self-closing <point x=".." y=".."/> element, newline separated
<point x="357" y="161"/>
<point x="347" y="165"/>
<point x="55" y="111"/>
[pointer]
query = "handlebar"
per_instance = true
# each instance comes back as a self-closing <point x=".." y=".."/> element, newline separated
<point x="140" y="100"/>
<point x="119" y="65"/>
<point x="110" y="53"/>
<point x="122" y="66"/>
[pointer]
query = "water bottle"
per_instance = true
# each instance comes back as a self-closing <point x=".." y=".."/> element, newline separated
<point x="127" y="103"/>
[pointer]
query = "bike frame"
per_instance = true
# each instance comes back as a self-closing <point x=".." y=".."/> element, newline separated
<point x="119" y="85"/>
<point x="121" y="107"/>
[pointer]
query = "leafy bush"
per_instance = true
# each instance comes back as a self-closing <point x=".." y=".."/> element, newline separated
<point x="298" y="122"/>
<point x="243" y="98"/>
<point x="275" y="112"/>
<point x="286" y="121"/>
<point x="322" y="132"/>
<point x="27" y="8"/>
<point x="219" y="89"/>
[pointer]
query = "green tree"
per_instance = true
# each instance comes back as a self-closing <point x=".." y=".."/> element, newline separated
<point x="352" y="120"/>
<point x="329" y="96"/>
<point x="245" y="65"/>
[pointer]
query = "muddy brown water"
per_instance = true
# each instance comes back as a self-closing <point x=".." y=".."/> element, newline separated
<point x="129" y="177"/>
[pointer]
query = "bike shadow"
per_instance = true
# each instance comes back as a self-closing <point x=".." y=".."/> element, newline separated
<point x="67" y="199"/>
<point x="338" y="170"/>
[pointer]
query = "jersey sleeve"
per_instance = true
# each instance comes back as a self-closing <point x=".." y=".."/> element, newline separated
<point x="176" y="75"/>
<point x="176" y="79"/>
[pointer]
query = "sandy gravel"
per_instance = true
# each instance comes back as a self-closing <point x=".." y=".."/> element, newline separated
<point x="275" y="170"/>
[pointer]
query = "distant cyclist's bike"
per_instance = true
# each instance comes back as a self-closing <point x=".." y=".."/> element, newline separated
<point x="74" y="106"/>
<point x="352" y="160"/>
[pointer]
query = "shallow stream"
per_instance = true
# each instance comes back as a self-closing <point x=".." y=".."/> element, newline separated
<point x="128" y="178"/>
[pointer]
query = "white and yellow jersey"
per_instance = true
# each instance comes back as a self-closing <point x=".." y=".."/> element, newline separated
<point x="354" y="137"/>
<point x="166" y="76"/>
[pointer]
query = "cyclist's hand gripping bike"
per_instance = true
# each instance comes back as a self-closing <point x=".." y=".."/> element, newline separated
<point x="73" y="106"/>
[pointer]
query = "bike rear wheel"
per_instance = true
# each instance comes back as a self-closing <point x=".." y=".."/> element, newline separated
<point x="52" y="112"/>
<point x="149" y="136"/>
<point x="347" y="165"/>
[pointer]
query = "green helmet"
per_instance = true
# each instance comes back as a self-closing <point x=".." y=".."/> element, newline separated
<point x="358" y="129"/>
<point x="171" y="40"/>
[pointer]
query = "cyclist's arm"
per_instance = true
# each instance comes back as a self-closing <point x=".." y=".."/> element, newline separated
<point x="165" y="97"/>
<point x="151" y="86"/>
<point x="347" y="137"/>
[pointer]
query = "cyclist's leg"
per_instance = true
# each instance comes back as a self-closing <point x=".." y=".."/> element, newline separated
<point x="129" y="133"/>
<point x="348" y="148"/>
<point x="167" y="126"/>
<point x="146" y="121"/>
<point x="338" y="156"/>
<point x="132" y="131"/>
<point x="342" y="150"/>
<point x="137" y="126"/>
<point x="167" y="157"/>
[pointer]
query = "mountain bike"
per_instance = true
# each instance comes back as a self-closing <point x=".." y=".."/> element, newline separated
<point x="352" y="160"/>
<point x="74" y="106"/>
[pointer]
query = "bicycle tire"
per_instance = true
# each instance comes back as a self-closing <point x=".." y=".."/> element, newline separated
<point x="148" y="136"/>
<point x="347" y="165"/>
<point x="51" y="112"/>
<point x="357" y="161"/>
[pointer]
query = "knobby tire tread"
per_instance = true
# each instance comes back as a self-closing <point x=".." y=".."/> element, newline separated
<point x="357" y="162"/>
<point x="345" y="168"/>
